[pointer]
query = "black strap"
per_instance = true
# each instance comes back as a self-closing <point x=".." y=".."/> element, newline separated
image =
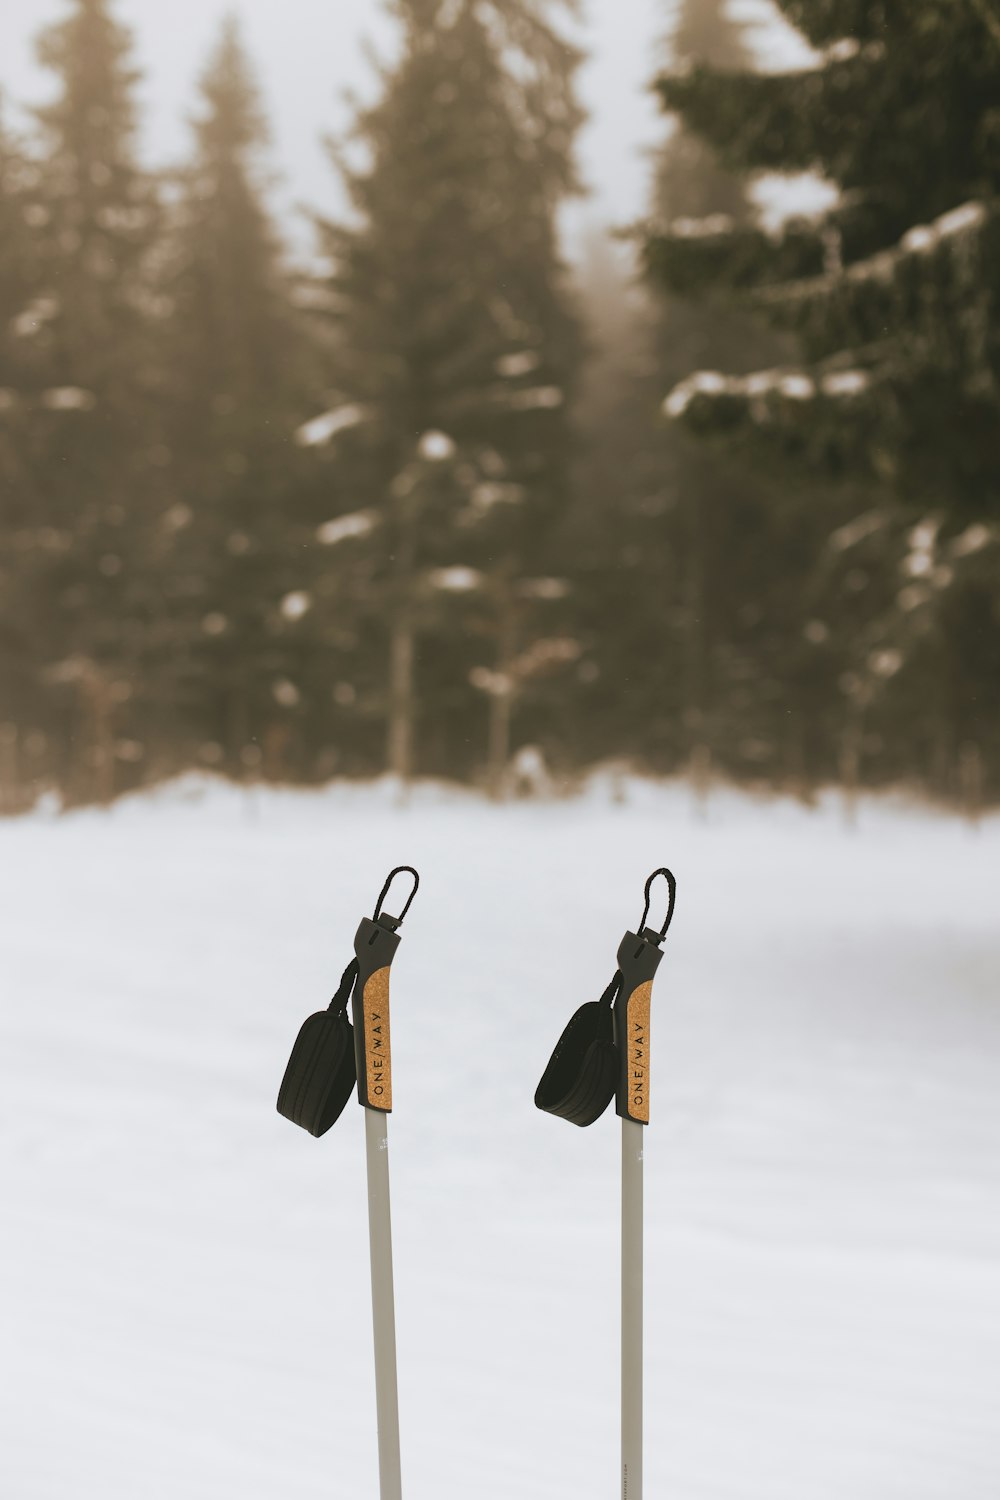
<point x="348" y="980"/>
<point x="582" y="1074"/>
<point x="322" y="1069"/>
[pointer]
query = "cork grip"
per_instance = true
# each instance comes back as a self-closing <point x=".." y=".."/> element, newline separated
<point x="636" y="1060"/>
<point x="638" y="959"/>
<point x="378" y="1050"/>
<point x="375" y="946"/>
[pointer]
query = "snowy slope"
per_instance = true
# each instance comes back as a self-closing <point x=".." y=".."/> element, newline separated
<point x="184" y="1274"/>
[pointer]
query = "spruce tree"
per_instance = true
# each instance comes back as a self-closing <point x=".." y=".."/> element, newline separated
<point x="22" y="539"/>
<point x="699" y="526"/>
<point x="889" y="418"/>
<point x="98" y="477"/>
<point x="452" y="359"/>
<point x="233" y="662"/>
<point x="691" y="594"/>
<point x="713" y="535"/>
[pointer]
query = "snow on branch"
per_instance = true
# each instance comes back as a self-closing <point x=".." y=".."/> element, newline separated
<point x="68" y="398"/>
<point x="33" y="318"/>
<point x="342" y="528"/>
<point x="296" y="604"/>
<point x="436" y="447"/>
<point x="699" y="255"/>
<point x="541" y="657"/>
<point x="521" y="362"/>
<point x="778" y="121"/>
<point x="974" y="539"/>
<point x="888" y="291"/>
<point x="859" y="530"/>
<point x="825" y="418"/>
<point x="534" y="398"/>
<point x="749" y="391"/>
<point x="456" y="579"/>
<point x="926" y="237"/>
<point x="826" y="22"/>
<point x="318" y="431"/>
<point x="543" y="588"/>
<point x="544" y="655"/>
<point x="488" y="493"/>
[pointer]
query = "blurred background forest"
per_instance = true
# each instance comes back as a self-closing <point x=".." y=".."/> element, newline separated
<point x="717" y="496"/>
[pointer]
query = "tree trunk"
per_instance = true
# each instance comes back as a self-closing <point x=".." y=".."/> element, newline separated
<point x="970" y="780"/>
<point x="502" y="703"/>
<point x="97" y="709"/>
<point x="699" y="753"/>
<point x="402" y="647"/>
<point x="237" y="731"/>
<point x="401" y="696"/>
<point x="849" y="768"/>
<point x="11" y="792"/>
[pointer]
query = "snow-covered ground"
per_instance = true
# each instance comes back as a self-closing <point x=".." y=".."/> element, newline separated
<point x="184" y="1275"/>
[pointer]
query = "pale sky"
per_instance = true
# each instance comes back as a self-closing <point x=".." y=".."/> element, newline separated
<point x="307" y="51"/>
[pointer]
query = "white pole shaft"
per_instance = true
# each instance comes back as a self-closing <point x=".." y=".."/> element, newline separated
<point x="383" y="1303"/>
<point x="633" y="1140"/>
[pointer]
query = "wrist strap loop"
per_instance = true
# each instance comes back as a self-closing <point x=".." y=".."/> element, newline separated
<point x="672" y="897"/>
<point x="395" y="922"/>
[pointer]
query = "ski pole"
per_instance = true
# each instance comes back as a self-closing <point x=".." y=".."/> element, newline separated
<point x="329" y="1058"/>
<point x="604" y="1053"/>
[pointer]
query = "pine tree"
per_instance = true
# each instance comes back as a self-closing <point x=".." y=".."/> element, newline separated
<point x="453" y="354"/>
<point x="21" y="539"/>
<point x="699" y="525"/>
<point x="893" y="406"/>
<point x="97" y="478"/>
<point x="233" y="662"/>
<point x="691" y="596"/>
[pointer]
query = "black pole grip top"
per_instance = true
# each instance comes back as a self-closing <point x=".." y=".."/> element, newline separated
<point x="330" y="1056"/>
<point x="603" y="1054"/>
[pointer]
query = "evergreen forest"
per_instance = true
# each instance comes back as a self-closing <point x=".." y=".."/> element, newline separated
<point x="715" y="494"/>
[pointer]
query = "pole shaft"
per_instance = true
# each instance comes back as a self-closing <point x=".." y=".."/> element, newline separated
<point x="633" y="1140"/>
<point x="383" y="1303"/>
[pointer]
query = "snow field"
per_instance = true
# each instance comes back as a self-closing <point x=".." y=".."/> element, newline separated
<point x="185" y="1275"/>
